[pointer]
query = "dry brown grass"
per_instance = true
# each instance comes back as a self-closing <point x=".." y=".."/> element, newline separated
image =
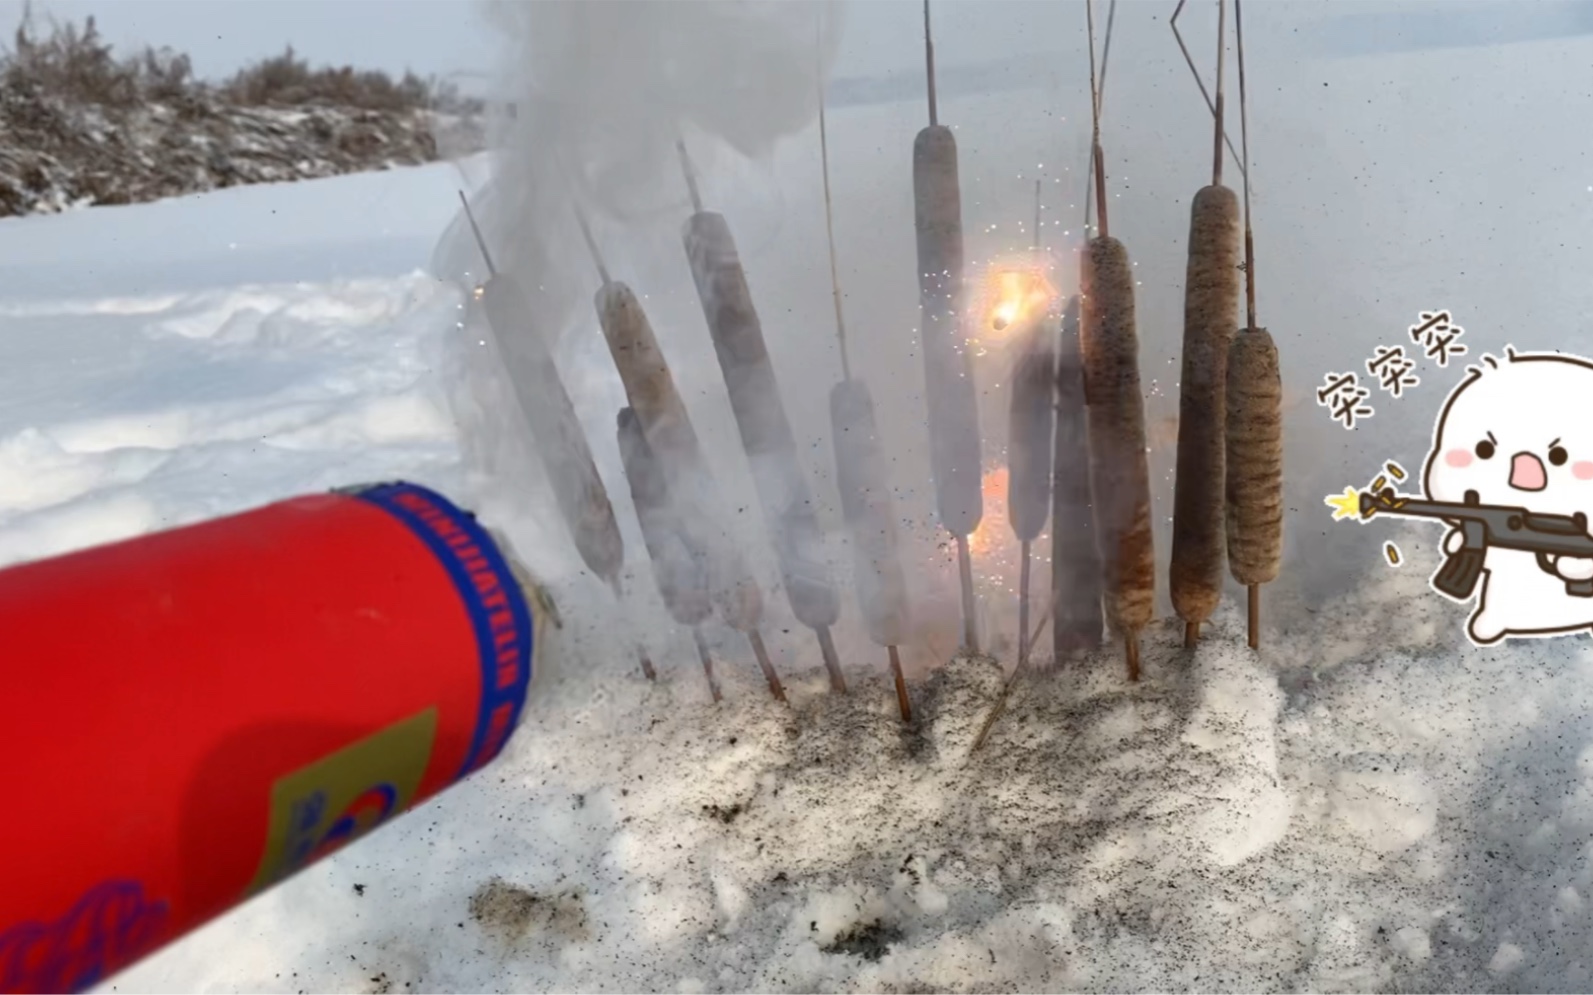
<point x="80" y="124"/>
<point x="74" y="63"/>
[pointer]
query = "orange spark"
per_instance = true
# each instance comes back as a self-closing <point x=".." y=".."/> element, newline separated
<point x="993" y="530"/>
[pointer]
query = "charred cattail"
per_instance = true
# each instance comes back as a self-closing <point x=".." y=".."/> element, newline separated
<point x="861" y="478"/>
<point x="577" y="488"/>
<point x="954" y="449"/>
<point x="1030" y="423"/>
<point x="948" y="366"/>
<point x="1075" y="560"/>
<point x="650" y="388"/>
<point x="680" y="571"/>
<point x="760" y="414"/>
<point x="1211" y="313"/>
<point x="766" y="436"/>
<point x="867" y="506"/>
<point x="582" y="498"/>
<point x="1029" y="439"/>
<point x="1119" y="476"/>
<point x="669" y="434"/>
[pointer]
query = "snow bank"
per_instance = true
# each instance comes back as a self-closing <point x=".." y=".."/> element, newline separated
<point x="218" y="401"/>
<point x="1391" y="822"/>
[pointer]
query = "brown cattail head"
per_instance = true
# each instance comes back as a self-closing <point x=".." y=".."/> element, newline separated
<point x="1255" y="458"/>
<point x="1211" y="312"/>
<point x="1075" y="560"/>
<point x="1119" y="475"/>
<point x="641" y="364"/>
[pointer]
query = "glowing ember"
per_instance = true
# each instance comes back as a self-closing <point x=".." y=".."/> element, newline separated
<point x="993" y="532"/>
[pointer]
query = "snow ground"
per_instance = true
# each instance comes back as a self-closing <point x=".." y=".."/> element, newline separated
<point x="1370" y="804"/>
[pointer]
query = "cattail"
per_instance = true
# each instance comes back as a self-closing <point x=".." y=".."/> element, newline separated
<point x="669" y="435"/>
<point x="1255" y="420"/>
<point x="1211" y="313"/>
<point x="861" y="478"/>
<point x="1119" y="475"/>
<point x="1255" y="461"/>
<point x="1033" y="417"/>
<point x="650" y="388"/>
<point x="954" y="445"/>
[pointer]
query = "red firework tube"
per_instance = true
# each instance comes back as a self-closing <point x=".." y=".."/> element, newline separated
<point x="192" y="716"/>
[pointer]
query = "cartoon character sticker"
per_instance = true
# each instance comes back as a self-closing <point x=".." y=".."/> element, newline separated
<point x="1510" y="470"/>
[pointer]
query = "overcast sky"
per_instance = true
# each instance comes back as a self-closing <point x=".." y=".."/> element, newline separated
<point x="443" y="36"/>
<point x="882" y="37"/>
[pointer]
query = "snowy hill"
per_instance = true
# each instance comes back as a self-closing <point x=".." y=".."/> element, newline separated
<point x="81" y="125"/>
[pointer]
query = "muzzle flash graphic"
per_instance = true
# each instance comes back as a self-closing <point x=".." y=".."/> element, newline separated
<point x="1485" y="526"/>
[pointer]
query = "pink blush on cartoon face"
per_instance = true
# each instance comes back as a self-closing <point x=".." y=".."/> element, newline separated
<point x="1461" y="458"/>
<point x="1582" y="470"/>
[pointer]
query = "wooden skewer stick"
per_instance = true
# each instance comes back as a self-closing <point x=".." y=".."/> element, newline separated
<point x="762" y="653"/>
<point x="1097" y="156"/>
<point x="1253" y="602"/>
<point x="690" y="173"/>
<point x="970" y="631"/>
<point x="1253" y="613"/>
<point x="1025" y="545"/>
<point x="591" y="245"/>
<point x="1100" y="97"/>
<point x="1217" y="136"/>
<point x="481" y="242"/>
<point x="707" y="661"/>
<point x="1023" y="603"/>
<point x="1211" y="105"/>
<point x="1244" y="141"/>
<point x="902" y="700"/>
<point x="929" y="66"/>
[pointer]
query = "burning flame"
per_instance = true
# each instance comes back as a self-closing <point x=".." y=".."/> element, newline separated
<point x="1012" y="296"/>
<point x="993" y="531"/>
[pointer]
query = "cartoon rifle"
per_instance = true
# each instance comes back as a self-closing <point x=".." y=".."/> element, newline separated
<point x="1485" y="525"/>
